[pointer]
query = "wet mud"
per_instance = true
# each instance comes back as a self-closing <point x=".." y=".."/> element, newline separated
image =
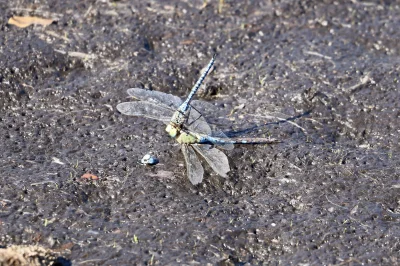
<point x="327" y="194"/>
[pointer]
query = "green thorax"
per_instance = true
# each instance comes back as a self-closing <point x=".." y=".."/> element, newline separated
<point x="181" y="136"/>
<point x="187" y="138"/>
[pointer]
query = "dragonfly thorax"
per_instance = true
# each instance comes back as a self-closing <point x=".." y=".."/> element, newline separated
<point x="179" y="118"/>
<point x="187" y="138"/>
<point x="181" y="136"/>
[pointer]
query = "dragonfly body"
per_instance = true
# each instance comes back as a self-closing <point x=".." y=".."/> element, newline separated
<point x="185" y="105"/>
<point x="180" y="115"/>
<point x="188" y="137"/>
<point x="188" y="127"/>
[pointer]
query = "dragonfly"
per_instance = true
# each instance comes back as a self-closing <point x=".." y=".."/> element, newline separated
<point x="185" y="123"/>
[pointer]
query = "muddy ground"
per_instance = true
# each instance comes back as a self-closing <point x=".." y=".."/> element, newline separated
<point x="328" y="194"/>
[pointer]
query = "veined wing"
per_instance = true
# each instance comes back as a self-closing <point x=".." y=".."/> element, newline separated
<point x="161" y="106"/>
<point x="196" y="120"/>
<point x="195" y="171"/>
<point x="214" y="157"/>
<point x="146" y="109"/>
<point x="159" y="97"/>
<point x="204" y="107"/>
<point x="197" y="123"/>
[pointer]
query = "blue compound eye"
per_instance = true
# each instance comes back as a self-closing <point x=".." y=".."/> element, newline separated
<point x="149" y="159"/>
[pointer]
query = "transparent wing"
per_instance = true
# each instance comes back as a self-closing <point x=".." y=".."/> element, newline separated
<point x="208" y="109"/>
<point x="168" y="100"/>
<point x="197" y="123"/>
<point x="216" y="132"/>
<point x="215" y="158"/>
<point x="161" y="106"/>
<point x="195" y="171"/>
<point x="146" y="109"/>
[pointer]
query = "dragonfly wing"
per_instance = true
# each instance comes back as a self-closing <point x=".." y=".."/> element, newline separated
<point x="195" y="171"/>
<point x="216" y="132"/>
<point x="146" y="109"/>
<point x="205" y="107"/>
<point x="215" y="158"/>
<point x="156" y="97"/>
<point x="197" y="123"/>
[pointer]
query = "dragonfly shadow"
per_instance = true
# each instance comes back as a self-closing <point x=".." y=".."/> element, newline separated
<point x="240" y="132"/>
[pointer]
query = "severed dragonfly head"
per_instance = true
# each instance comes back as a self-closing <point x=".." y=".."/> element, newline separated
<point x="149" y="159"/>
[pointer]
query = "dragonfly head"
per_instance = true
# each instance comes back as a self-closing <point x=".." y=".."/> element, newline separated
<point x="172" y="130"/>
<point x="149" y="159"/>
